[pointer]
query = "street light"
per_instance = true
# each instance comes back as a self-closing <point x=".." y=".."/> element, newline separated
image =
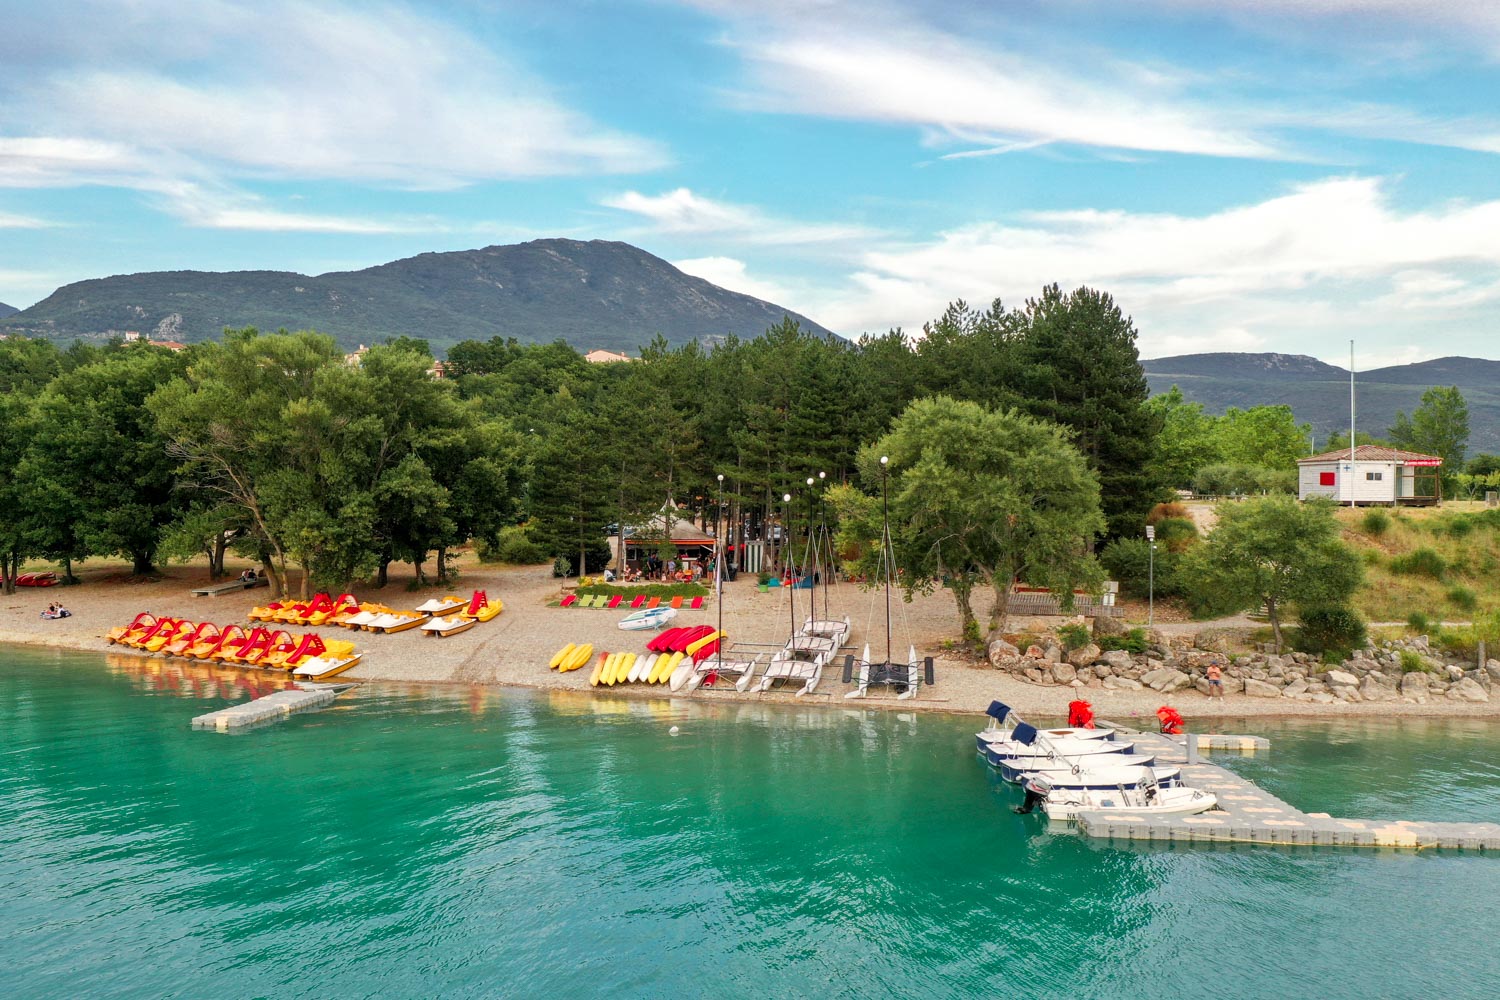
<point x="1151" y="575"/>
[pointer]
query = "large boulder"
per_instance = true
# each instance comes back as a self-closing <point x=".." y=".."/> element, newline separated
<point x="1084" y="655"/>
<point x="1414" y="685"/>
<point x="1493" y="667"/>
<point x="1468" y="689"/>
<point x="1118" y="659"/>
<point x="1064" y="673"/>
<point x="1373" y="690"/>
<point x="1053" y="653"/>
<point x="1003" y="655"/>
<point x="1106" y="625"/>
<point x="1261" y="689"/>
<point x="1296" y="687"/>
<point x="1340" y="679"/>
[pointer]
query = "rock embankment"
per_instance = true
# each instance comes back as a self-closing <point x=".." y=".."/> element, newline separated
<point x="1176" y="663"/>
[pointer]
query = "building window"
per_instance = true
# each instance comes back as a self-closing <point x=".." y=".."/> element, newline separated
<point x="1325" y="478"/>
<point x="1374" y="476"/>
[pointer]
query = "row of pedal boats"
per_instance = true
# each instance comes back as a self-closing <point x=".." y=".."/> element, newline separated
<point x="439" y="616"/>
<point x="1071" y="771"/>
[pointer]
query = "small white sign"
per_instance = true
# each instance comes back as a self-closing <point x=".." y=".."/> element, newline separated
<point x="1150" y="532"/>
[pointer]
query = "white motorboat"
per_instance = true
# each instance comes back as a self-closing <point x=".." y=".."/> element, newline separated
<point x="1057" y="748"/>
<point x="1067" y="804"/>
<point x="639" y="621"/>
<point x="1103" y="779"/>
<point x="997" y="734"/>
<point x="322" y="667"/>
<point x="1014" y="770"/>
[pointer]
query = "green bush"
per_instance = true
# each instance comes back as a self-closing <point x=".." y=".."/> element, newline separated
<point x="1163" y="511"/>
<point x="1463" y="598"/>
<point x="1175" y="534"/>
<point x="514" y="547"/>
<point x="1333" y="658"/>
<point x="1335" y="629"/>
<point x="1277" y="480"/>
<point x="1128" y="561"/>
<point x="1133" y="641"/>
<point x="663" y="590"/>
<point x="1413" y="663"/>
<point x="1074" y="636"/>
<point x="1460" y="527"/>
<point x="562" y="566"/>
<point x="1418" y="622"/>
<point x="1420" y="562"/>
<point x="1375" y="522"/>
<point x="1370" y="557"/>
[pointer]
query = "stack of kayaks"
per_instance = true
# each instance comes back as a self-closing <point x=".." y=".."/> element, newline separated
<point x="308" y="655"/>
<point x="570" y="657"/>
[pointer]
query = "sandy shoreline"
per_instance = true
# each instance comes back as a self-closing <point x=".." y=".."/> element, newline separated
<point x="513" y="649"/>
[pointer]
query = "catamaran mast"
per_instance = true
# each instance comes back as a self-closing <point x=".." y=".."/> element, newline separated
<point x="887" y="550"/>
<point x="786" y="531"/>
<point x="719" y="560"/>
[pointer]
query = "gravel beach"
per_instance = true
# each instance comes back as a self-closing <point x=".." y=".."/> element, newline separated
<point x="514" y="648"/>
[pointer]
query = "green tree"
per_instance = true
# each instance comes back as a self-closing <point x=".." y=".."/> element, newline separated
<point x="1078" y="366"/>
<point x="1439" y="426"/>
<point x="1272" y="551"/>
<point x="978" y="496"/>
<point x="1265" y="436"/>
<point x="1339" y="441"/>
<point x="1187" y="441"/>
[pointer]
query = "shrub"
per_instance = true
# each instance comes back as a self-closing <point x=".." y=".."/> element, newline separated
<point x="562" y="566"/>
<point x="1460" y="526"/>
<point x="1128" y="561"/>
<point x="664" y="590"/>
<point x="1375" y="522"/>
<point x="1333" y="658"/>
<point x="1420" y="562"/>
<point x="1276" y="480"/>
<point x="1176" y="534"/>
<point x="1418" y="622"/>
<point x="1369" y="557"/>
<point x="1413" y="663"/>
<point x="1463" y="598"/>
<point x="1162" y="511"/>
<point x="1133" y="641"/>
<point x="1334" y="629"/>
<point x="1074" y="636"/>
<point x="514" y="547"/>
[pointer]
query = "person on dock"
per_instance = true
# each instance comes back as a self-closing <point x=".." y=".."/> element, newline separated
<point x="1215" y="680"/>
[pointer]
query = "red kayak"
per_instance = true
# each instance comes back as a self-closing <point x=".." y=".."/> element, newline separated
<point x="36" y="580"/>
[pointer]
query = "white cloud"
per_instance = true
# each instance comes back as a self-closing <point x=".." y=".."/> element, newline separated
<point x="1465" y="21"/>
<point x="377" y="93"/>
<point x="9" y="221"/>
<point x="881" y="64"/>
<point x="683" y="213"/>
<point x="727" y="272"/>
<point x="1326" y="260"/>
<point x="217" y="208"/>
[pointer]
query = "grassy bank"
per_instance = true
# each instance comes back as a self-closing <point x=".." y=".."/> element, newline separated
<point x="1443" y="563"/>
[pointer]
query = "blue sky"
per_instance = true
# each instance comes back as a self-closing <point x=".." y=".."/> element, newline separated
<point x="1247" y="175"/>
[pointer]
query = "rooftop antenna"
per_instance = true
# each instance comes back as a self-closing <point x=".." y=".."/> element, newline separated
<point x="1351" y="423"/>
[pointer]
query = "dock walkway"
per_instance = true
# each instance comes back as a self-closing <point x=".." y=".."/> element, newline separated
<point x="1252" y="815"/>
<point x="272" y="708"/>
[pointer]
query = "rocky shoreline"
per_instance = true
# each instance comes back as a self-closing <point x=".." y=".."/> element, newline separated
<point x="1407" y="670"/>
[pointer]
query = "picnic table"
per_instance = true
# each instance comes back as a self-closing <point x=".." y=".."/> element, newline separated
<point x="231" y="587"/>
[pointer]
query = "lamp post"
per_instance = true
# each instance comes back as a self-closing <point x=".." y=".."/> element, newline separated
<point x="887" y="550"/>
<point x="1151" y="575"/>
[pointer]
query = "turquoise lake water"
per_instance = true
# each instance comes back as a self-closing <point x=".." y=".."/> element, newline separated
<point x="413" y="843"/>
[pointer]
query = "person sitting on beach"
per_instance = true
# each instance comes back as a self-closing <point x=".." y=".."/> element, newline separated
<point x="248" y="576"/>
<point x="609" y="575"/>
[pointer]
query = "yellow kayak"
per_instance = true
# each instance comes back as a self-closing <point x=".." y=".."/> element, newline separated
<point x="579" y="658"/>
<point x="711" y="637"/>
<point x="598" y="670"/>
<point x="561" y="656"/>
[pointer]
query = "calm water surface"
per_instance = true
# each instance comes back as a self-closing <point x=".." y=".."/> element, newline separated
<point x="412" y="843"/>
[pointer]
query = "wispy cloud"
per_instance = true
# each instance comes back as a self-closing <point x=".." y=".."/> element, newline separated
<point x="231" y="92"/>
<point x="730" y="273"/>
<point x="9" y="221"/>
<point x="1327" y="256"/>
<point x="683" y="213"/>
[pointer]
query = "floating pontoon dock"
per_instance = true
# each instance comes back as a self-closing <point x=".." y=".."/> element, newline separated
<point x="1252" y="815"/>
<point x="272" y="708"/>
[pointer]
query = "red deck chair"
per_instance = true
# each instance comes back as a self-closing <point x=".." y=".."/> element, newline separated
<point x="569" y="601"/>
<point x="697" y="603"/>
<point x="614" y="602"/>
<point x="677" y="601"/>
<point x="639" y="600"/>
<point x="653" y="602"/>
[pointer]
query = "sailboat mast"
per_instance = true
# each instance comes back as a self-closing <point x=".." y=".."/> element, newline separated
<point x="719" y="560"/>
<point x="826" y="537"/>
<point x="786" y="530"/>
<point x="887" y="553"/>
<point x="1351" y="423"/>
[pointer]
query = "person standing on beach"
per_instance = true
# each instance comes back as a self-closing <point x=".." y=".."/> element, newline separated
<point x="1215" y="681"/>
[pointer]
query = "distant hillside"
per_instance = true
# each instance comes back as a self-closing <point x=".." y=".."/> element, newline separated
<point x="593" y="294"/>
<point x="1318" y="393"/>
<point x="6" y="310"/>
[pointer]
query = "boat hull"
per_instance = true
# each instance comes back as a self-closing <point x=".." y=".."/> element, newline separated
<point x="1068" y="806"/>
<point x="1105" y="779"/>
<point x="1013" y="770"/>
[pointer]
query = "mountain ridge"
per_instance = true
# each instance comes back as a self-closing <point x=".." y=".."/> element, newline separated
<point x="1318" y="393"/>
<point x="6" y="310"/>
<point x="594" y="294"/>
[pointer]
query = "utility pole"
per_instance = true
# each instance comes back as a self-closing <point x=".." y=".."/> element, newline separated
<point x="1151" y="576"/>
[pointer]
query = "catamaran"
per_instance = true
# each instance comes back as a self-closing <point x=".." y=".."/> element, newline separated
<point x="708" y="670"/>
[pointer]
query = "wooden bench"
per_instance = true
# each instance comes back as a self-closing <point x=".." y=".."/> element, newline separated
<point x="232" y="587"/>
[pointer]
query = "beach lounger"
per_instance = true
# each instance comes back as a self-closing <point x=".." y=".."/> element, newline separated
<point x="614" y="602"/>
<point x="639" y="600"/>
<point x="586" y="601"/>
<point x="569" y="601"/>
<point x="677" y="601"/>
<point x="696" y="603"/>
<point x="653" y="602"/>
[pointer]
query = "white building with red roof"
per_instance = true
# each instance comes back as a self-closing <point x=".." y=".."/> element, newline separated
<point x="1372" y="475"/>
